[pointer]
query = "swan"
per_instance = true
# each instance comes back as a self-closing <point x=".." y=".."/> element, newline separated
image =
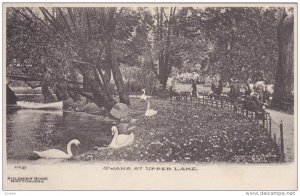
<point x="58" y="154"/>
<point x="150" y="112"/>
<point x="143" y="96"/>
<point x="121" y="140"/>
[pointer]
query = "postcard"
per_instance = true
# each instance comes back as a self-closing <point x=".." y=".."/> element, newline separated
<point x="150" y="96"/>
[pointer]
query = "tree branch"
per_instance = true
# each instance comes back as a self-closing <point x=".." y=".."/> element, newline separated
<point x="166" y="15"/>
<point x="23" y="78"/>
<point x="49" y="19"/>
<point x="89" y="25"/>
<point x="33" y="86"/>
<point x="72" y="18"/>
<point x="64" y="19"/>
<point x="52" y="17"/>
<point x="31" y="12"/>
<point x="121" y="10"/>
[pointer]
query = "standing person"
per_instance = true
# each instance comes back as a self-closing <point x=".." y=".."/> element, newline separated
<point x="213" y="88"/>
<point x="234" y="88"/>
<point x="234" y="91"/>
<point x="173" y="84"/>
<point x="249" y="88"/>
<point x="260" y="88"/>
<point x="220" y="88"/>
<point x="194" y="87"/>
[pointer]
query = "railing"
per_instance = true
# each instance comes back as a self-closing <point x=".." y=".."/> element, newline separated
<point x="247" y="108"/>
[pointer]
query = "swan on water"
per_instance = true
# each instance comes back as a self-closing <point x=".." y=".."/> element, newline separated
<point x="150" y="112"/>
<point x="120" y="141"/>
<point x="143" y="96"/>
<point x="58" y="154"/>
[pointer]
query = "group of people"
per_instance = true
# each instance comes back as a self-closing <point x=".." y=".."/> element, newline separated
<point x="215" y="89"/>
<point x="257" y="90"/>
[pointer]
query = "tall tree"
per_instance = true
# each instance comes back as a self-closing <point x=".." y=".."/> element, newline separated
<point x="84" y="39"/>
<point x="284" y="85"/>
<point x="163" y="34"/>
<point x="169" y="45"/>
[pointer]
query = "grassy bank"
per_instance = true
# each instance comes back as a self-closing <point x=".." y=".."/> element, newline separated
<point x="183" y="133"/>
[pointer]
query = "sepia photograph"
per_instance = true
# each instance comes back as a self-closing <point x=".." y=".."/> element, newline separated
<point x="152" y="96"/>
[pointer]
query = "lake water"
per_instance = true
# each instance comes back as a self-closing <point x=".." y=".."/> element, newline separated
<point x="29" y="130"/>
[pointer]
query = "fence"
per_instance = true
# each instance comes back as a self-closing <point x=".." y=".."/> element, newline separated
<point x="242" y="106"/>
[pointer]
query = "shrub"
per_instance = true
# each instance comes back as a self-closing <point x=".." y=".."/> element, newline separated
<point x="190" y="77"/>
<point x="138" y="78"/>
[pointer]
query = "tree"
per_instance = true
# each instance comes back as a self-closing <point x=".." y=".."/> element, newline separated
<point x="25" y="41"/>
<point x="284" y="85"/>
<point x="84" y="38"/>
<point x="243" y="41"/>
<point x="169" y="47"/>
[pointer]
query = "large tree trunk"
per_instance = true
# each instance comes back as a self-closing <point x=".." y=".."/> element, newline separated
<point x="164" y="60"/>
<point x="164" y="69"/>
<point x="101" y="98"/>
<point x="163" y="80"/>
<point x="111" y="59"/>
<point x="284" y="84"/>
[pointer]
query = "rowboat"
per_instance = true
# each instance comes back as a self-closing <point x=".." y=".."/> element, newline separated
<point x="42" y="106"/>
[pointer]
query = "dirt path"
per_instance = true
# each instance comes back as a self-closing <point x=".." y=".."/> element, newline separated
<point x="288" y="131"/>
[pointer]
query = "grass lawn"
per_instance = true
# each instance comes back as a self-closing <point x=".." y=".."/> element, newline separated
<point x="184" y="133"/>
<point x="200" y="88"/>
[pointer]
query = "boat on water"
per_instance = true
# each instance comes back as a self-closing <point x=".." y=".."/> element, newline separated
<point x="43" y="106"/>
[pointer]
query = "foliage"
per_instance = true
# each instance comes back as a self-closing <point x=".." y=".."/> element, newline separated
<point x="24" y="39"/>
<point x="180" y="133"/>
<point x="230" y="41"/>
<point x="137" y="78"/>
<point x="243" y="40"/>
<point x="190" y="77"/>
<point x="233" y="41"/>
<point x="82" y="38"/>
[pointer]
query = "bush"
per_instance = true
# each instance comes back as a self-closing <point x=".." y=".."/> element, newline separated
<point x="137" y="78"/>
<point x="190" y="77"/>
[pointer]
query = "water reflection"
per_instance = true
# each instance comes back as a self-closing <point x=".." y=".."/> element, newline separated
<point x="29" y="130"/>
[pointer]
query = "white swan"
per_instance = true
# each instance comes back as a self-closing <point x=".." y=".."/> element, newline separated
<point x="143" y="96"/>
<point x="150" y="112"/>
<point x="121" y="140"/>
<point x="58" y="154"/>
